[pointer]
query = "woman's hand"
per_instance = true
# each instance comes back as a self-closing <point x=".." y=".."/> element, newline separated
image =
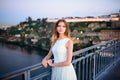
<point x="44" y="63"/>
<point x="50" y="62"/>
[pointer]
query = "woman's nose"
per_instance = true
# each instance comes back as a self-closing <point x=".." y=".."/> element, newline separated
<point x="60" y="26"/>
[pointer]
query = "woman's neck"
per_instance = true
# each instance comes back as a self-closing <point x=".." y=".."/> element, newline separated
<point x="61" y="36"/>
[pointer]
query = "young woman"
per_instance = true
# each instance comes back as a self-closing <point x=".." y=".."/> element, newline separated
<point x="62" y="50"/>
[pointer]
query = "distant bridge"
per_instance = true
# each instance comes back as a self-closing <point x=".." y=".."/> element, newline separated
<point x="90" y="63"/>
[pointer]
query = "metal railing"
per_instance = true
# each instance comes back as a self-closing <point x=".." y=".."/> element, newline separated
<point x="89" y="63"/>
<point x="92" y="61"/>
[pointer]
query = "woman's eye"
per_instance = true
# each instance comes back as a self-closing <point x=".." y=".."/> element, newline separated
<point x="60" y="26"/>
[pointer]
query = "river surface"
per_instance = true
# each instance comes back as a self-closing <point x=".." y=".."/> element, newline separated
<point x="14" y="57"/>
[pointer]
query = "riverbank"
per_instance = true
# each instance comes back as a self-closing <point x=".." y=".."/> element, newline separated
<point x="21" y="44"/>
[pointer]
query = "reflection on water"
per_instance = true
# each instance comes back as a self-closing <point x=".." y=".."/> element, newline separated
<point x="25" y="49"/>
<point x="13" y="57"/>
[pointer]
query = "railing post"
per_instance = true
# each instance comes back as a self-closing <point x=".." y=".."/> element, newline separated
<point x="87" y="68"/>
<point x="90" y="68"/>
<point x="83" y="69"/>
<point x="94" y="67"/>
<point x="27" y="75"/>
<point x="79" y="70"/>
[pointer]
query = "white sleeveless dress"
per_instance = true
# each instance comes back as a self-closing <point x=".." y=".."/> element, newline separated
<point x="60" y="55"/>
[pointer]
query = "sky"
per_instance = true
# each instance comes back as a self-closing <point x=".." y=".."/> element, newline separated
<point x="16" y="11"/>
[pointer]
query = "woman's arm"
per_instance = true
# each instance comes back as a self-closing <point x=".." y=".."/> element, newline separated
<point x="47" y="57"/>
<point x="69" y="46"/>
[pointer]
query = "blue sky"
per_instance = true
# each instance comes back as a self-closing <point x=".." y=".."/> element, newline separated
<point x="15" y="11"/>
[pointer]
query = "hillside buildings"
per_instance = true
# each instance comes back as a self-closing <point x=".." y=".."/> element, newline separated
<point x="109" y="34"/>
<point x="106" y="18"/>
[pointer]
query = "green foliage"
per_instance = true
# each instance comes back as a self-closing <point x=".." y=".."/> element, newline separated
<point x="29" y="41"/>
<point x="2" y="31"/>
<point x="27" y="32"/>
<point x="45" y="41"/>
<point x="81" y="46"/>
<point x="79" y="26"/>
<point x="13" y="32"/>
<point x="29" y="19"/>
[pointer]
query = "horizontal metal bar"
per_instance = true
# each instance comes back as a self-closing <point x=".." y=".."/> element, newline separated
<point x="41" y="75"/>
<point x="21" y="70"/>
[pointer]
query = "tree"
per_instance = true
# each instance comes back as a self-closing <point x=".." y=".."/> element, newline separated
<point x="29" y="19"/>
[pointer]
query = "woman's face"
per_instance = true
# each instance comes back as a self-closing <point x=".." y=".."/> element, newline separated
<point x="61" y="28"/>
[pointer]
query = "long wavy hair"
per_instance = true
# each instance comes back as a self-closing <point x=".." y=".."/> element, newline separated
<point x="55" y="34"/>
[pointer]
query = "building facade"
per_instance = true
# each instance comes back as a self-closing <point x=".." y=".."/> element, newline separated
<point x="109" y="34"/>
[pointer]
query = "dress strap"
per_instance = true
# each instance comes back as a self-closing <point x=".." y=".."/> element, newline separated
<point x="66" y="40"/>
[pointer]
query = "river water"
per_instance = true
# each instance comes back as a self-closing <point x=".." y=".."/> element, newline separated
<point x="14" y="57"/>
